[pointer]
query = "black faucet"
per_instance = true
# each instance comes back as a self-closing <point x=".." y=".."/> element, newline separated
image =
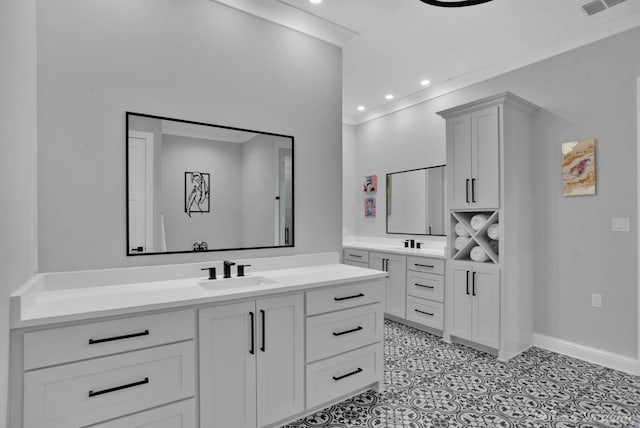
<point x="241" y="269"/>
<point x="227" y="268"/>
<point x="212" y="272"/>
<point x="412" y="243"/>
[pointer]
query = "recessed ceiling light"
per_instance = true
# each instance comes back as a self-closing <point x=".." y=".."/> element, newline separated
<point x="315" y="1"/>
<point x="425" y="82"/>
<point x="389" y="96"/>
<point x="360" y="108"/>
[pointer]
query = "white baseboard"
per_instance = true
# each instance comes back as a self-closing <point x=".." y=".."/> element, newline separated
<point x="586" y="353"/>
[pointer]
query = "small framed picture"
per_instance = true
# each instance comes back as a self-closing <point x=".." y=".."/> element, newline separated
<point x="370" y="207"/>
<point x="370" y="183"/>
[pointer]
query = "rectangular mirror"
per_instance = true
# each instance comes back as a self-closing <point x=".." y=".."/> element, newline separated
<point x="416" y="201"/>
<point x="199" y="187"/>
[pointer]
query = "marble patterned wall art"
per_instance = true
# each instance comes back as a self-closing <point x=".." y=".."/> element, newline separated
<point x="370" y="183"/>
<point x="579" y="168"/>
<point x="370" y="207"/>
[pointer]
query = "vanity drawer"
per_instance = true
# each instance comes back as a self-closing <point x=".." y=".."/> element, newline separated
<point x="425" y="285"/>
<point x="80" y="342"/>
<point x="353" y="255"/>
<point x="334" y="377"/>
<point x="88" y="392"/>
<point x="338" y="332"/>
<point x="345" y="296"/>
<point x="425" y="312"/>
<point x="425" y="264"/>
<point x="176" y="415"/>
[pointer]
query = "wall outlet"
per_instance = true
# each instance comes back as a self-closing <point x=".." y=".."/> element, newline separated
<point x="596" y="300"/>
<point x="620" y="224"/>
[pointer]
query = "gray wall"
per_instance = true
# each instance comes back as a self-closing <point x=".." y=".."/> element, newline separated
<point x="352" y="187"/>
<point x="18" y="149"/>
<point x="192" y="59"/>
<point x="223" y="161"/>
<point x="587" y="92"/>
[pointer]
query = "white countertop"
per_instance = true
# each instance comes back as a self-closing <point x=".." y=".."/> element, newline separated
<point x="434" y="249"/>
<point x="35" y="304"/>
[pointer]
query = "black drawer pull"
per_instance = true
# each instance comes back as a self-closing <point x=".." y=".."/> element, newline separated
<point x="111" y="339"/>
<point x="355" y="296"/>
<point x="348" y="374"/>
<point x="348" y="331"/>
<point x="253" y="334"/>
<point x="427" y="266"/>
<point x="423" y="312"/>
<point x="355" y="255"/>
<point x="425" y="286"/>
<point x="118" y="388"/>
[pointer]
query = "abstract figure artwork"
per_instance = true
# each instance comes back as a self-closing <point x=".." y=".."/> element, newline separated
<point x="370" y="183"/>
<point x="579" y="168"/>
<point x="370" y="207"/>
<point x="196" y="192"/>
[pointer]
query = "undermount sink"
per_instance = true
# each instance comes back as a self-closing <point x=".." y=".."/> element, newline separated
<point x="236" y="282"/>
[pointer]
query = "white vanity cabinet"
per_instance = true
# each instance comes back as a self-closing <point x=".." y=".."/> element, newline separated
<point x="396" y="266"/>
<point x="473" y="160"/>
<point x="86" y="374"/>
<point x="251" y="362"/>
<point x="344" y="341"/>
<point x="425" y="291"/>
<point x="475" y="308"/>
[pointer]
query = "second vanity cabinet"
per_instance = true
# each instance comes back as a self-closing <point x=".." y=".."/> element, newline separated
<point x="247" y="347"/>
<point x="396" y="266"/>
<point x="415" y="285"/>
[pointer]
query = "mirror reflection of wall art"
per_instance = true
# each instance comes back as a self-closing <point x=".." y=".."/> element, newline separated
<point x="196" y="192"/>
<point x="370" y="183"/>
<point x="370" y="207"/>
<point x="579" y="168"/>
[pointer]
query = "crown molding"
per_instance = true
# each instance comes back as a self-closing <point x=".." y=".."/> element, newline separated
<point x="295" y="19"/>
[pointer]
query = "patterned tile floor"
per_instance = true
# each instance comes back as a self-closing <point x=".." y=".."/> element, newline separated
<point x="432" y="384"/>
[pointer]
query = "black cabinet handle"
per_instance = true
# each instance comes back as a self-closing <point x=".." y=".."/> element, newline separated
<point x="355" y="255"/>
<point x="468" y="283"/>
<point x="427" y="266"/>
<point x="473" y="190"/>
<point x="111" y="339"/>
<point x="423" y="312"/>
<point x="139" y="249"/>
<point x="358" y="370"/>
<point x="263" y="347"/>
<point x="467" y="189"/>
<point x="355" y="296"/>
<point x="253" y="334"/>
<point x="348" y="331"/>
<point x="424" y="286"/>
<point x="473" y="284"/>
<point x="118" y="388"/>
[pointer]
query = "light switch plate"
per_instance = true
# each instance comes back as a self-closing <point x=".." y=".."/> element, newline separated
<point x="620" y="224"/>
<point x="596" y="300"/>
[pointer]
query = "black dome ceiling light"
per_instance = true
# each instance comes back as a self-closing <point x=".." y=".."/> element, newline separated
<point x="454" y="3"/>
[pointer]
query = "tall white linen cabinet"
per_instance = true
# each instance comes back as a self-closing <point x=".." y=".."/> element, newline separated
<point x="489" y="291"/>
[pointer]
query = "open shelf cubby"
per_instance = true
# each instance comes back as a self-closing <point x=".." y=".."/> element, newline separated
<point x="476" y="237"/>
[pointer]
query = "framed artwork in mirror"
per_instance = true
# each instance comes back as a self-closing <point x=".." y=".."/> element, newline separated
<point x="197" y="198"/>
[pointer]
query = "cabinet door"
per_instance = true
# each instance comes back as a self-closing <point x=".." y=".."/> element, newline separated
<point x="396" y="294"/>
<point x="460" y="307"/>
<point x="486" y="305"/>
<point x="280" y="348"/>
<point x="459" y="161"/>
<point x="228" y="366"/>
<point x="485" y="155"/>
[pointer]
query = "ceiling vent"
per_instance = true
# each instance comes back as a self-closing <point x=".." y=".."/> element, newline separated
<point x="596" y="6"/>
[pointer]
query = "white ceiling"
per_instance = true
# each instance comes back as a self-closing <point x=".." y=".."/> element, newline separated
<point x="389" y="46"/>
